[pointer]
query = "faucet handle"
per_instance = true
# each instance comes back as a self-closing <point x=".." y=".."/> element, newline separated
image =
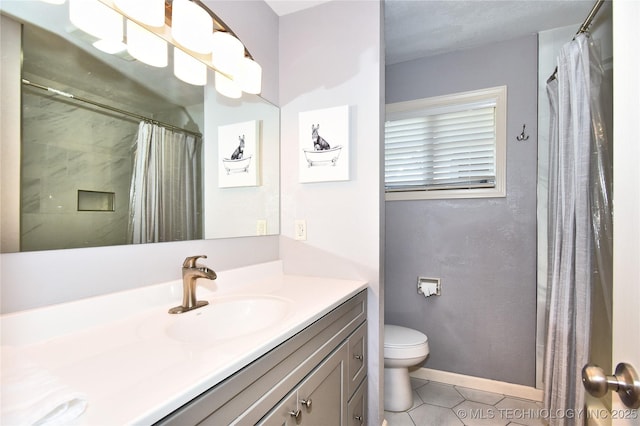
<point x="190" y="262"/>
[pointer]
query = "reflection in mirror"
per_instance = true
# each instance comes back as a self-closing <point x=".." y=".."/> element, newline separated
<point x="85" y="115"/>
<point x="75" y="140"/>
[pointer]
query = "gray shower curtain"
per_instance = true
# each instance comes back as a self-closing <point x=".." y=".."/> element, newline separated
<point x="165" y="199"/>
<point x="579" y="224"/>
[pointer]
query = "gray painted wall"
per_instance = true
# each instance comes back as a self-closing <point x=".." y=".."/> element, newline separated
<point x="484" y="250"/>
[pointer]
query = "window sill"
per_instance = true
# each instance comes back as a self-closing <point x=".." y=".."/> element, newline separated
<point x="498" y="192"/>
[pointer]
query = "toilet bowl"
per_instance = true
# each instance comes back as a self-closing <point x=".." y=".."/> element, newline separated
<point x="403" y="348"/>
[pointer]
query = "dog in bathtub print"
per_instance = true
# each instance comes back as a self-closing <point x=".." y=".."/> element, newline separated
<point x="322" y="154"/>
<point x="319" y="143"/>
<point x="239" y="152"/>
<point x="237" y="163"/>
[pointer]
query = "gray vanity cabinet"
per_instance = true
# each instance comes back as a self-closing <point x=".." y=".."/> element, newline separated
<point x="319" y="400"/>
<point x="315" y="378"/>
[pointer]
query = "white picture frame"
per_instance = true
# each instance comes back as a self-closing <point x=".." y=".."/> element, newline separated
<point x="324" y="145"/>
<point x="239" y="154"/>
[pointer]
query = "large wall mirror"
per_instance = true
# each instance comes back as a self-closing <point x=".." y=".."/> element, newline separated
<point x="84" y="118"/>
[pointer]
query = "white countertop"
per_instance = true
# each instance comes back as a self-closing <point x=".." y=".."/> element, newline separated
<point x="102" y="348"/>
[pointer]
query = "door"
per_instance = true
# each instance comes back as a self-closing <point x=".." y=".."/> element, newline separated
<point x="626" y="190"/>
<point x="322" y="396"/>
<point x="319" y="400"/>
<point x="625" y="330"/>
<point x="286" y="413"/>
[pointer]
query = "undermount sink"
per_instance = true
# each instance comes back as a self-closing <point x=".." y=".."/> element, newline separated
<point x="224" y="318"/>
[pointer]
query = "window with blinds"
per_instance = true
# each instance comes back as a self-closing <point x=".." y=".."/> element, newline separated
<point x="446" y="147"/>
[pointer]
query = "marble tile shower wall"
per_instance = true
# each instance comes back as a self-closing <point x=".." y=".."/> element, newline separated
<point x="68" y="146"/>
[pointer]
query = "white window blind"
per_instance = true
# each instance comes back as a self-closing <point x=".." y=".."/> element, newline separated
<point x="451" y="146"/>
<point x="442" y="150"/>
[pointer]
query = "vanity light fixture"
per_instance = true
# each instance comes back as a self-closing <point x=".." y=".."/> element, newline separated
<point x="240" y="73"/>
<point x="234" y="71"/>
<point x="95" y="18"/>
<point x="110" y="46"/>
<point x="148" y="12"/>
<point x="185" y="22"/>
<point x="189" y="69"/>
<point x="145" y="46"/>
<point x="227" y="87"/>
<point x="227" y="52"/>
<point x="250" y="78"/>
<point x="191" y="26"/>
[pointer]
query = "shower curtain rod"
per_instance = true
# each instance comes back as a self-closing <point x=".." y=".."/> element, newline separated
<point x="583" y="28"/>
<point x="110" y="108"/>
<point x="587" y="22"/>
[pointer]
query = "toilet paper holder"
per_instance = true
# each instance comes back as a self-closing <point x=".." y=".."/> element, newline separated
<point x="429" y="286"/>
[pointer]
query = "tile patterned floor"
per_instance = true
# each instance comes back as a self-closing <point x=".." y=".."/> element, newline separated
<point x="437" y="404"/>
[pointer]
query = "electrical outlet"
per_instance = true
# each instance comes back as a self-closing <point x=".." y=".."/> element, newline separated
<point x="300" y="232"/>
<point x="261" y="227"/>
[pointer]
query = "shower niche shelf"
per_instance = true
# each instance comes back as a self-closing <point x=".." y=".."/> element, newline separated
<point x="96" y="201"/>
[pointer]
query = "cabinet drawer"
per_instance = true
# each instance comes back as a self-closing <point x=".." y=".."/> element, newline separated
<point x="357" y="357"/>
<point x="357" y="407"/>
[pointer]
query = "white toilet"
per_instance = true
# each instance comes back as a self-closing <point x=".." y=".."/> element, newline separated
<point x="403" y="348"/>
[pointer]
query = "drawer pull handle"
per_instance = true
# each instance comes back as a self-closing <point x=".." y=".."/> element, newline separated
<point x="358" y="418"/>
<point x="297" y="414"/>
<point x="306" y="403"/>
<point x="358" y="357"/>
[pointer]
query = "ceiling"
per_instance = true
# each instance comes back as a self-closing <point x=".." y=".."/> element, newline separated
<point x="422" y="28"/>
<point x="285" y="7"/>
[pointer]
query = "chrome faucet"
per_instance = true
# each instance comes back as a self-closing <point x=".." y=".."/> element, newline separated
<point x="190" y="274"/>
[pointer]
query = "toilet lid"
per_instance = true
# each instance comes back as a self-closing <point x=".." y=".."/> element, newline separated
<point x="397" y="336"/>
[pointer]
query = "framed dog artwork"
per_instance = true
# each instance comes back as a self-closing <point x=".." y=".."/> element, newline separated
<point x="324" y="144"/>
<point x="238" y="154"/>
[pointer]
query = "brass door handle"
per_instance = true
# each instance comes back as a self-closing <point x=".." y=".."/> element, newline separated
<point x="626" y="382"/>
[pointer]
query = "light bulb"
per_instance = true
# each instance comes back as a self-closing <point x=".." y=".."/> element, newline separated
<point x="97" y="19"/>
<point x="110" y="46"/>
<point x="191" y="26"/>
<point x="227" y="87"/>
<point x="226" y="52"/>
<point x="250" y="76"/>
<point x="189" y="69"/>
<point x="149" y="12"/>
<point x="145" y="46"/>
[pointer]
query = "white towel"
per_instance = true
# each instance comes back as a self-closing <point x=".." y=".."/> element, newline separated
<point x="32" y="396"/>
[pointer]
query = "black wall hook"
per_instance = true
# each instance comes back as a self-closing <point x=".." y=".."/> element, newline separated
<point x="522" y="136"/>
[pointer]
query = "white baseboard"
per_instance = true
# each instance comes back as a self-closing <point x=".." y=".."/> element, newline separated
<point x="487" y="385"/>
